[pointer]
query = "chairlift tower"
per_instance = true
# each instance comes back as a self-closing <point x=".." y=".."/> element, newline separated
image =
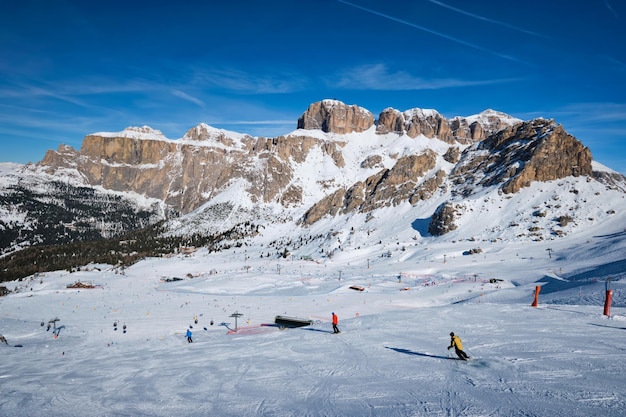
<point x="236" y="315"/>
<point x="54" y="322"/>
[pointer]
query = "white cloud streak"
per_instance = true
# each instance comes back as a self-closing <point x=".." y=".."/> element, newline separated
<point x="433" y="32"/>
<point x="378" y="77"/>
<point x="486" y="19"/>
<point x="188" y="97"/>
<point x="242" y="82"/>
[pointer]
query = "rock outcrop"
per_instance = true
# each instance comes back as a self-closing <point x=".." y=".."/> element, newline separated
<point x="512" y="158"/>
<point x="405" y="182"/>
<point x="415" y="122"/>
<point x="332" y="116"/>
<point x="442" y="221"/>
<point x="431" y="124"/>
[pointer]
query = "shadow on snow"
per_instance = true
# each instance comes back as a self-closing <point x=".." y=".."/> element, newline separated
<point x="426" y="355"/>
<point x="613" y="269"/>
<point x="316" y="330"/>
<point x="421" y="225"/>
<point x="610" y="327"/>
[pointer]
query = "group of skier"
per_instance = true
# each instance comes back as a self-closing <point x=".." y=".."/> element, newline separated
<point x="455" y="341"/>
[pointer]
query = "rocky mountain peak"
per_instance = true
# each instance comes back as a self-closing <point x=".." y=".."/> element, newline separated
<point x="206" y="133"/>
<point x="415" y="122"/>
<point x="200" y="132"/>
<point x="431" y="124"/>
<point x="333" y="116"/>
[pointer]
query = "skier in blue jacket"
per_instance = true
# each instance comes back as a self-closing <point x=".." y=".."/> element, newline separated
<point x="189" y="336"/>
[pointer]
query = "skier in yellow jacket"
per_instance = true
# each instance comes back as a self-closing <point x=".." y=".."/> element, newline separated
<point x="455" y="342"/>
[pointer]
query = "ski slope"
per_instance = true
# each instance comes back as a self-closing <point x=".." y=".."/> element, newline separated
<point x="562" y="358"/>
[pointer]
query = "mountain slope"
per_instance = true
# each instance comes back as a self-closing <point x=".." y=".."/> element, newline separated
<point x="340" y="176"/>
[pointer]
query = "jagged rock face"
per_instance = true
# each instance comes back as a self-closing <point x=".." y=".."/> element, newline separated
<point x="390" y="120"/>
<point x="187" y="173"/>
<point x="614" y="181"/>
<point x="465" y="132"/>
<point x="372" y="161"/>
<point x="442" y="221"/>
<point x="539" y="150"/>
<point x="452" y="155"/>
<point x="333" y="116"/>
<point x="389" y="187"/>
<point x="431" y="124"/>
<point x="155" y="168"/>
<point x="415" y="122"/>
<point x="428" y="123"/>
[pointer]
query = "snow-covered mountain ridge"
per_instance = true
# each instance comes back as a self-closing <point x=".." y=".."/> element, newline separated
<point x="343" y="170"/>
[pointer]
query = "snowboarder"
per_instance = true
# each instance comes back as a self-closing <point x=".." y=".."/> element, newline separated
<point x="189" y="340"/>
<point x="335" y="322"/>
<point x="455" y="342"/>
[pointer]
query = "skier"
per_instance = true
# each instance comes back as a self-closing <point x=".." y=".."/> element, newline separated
<point x="335" y="322"/>
<point x="455" y="341"/>
<point x="189" y="336"/>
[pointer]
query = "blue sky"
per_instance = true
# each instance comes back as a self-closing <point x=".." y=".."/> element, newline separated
<point x="71" y="68"/>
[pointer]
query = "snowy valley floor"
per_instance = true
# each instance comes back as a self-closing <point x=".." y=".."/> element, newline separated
<point x="563" y="358"/>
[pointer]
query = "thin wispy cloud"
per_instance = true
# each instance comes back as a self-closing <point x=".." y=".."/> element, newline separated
<point x="486" y="19"/>
<point x="378" y="77"/>
<point x="599" y="123"/>
<point x="583" y="113"/>
<point x="25" y="91"/>
<point x="73" y="92"/>
<point x="611" y="10"/>
<point x="86" y="93"/>
<point x="188" y="97"/>
<point x="598" y="112"/>
<point x="52" y="126"/>
<point x="433" y="32"/>
<point x="616" y="61"/>
<point x="247" y="83"/>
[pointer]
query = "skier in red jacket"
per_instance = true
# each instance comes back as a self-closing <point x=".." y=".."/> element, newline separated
<point x="335" y="322"/>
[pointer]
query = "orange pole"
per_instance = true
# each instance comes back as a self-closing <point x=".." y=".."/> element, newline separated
<point x="607" y="302"/>
<point x="536" y="301"/>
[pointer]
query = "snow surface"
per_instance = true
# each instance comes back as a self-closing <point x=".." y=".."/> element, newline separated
<point x="135" y="132"/>
<point x="562" y="358"/>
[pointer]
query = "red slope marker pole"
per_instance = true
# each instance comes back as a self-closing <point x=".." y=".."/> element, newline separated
<point x="536" y="301"/>
<point x="607" y="302"/>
